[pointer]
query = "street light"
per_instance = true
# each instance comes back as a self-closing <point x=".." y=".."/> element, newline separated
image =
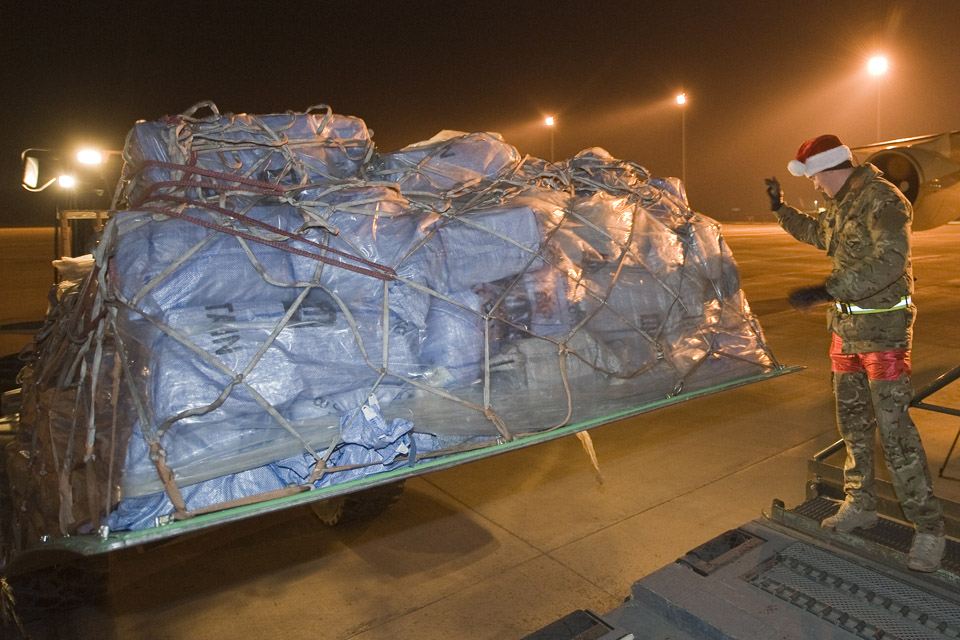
<point x="682" y="103"/>
<point x="877" y="66"/>
<point x="550" y="122"/>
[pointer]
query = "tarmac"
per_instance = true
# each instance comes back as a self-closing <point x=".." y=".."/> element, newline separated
<point x="501" y="547"/>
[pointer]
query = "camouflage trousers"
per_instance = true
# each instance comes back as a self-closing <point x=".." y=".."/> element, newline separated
<point x="865" y="406"/>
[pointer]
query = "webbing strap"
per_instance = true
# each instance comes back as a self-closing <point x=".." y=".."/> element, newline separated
<point x="268" y="227"/>
<point x="386" y="274"/>
<point x="376" y="270"/>
<point x="147" y="194"/>
<point x="209" y="173"/>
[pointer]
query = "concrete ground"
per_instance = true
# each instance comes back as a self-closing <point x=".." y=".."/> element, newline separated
<point x="501" y="547"/>
<point x="26" y="274"/>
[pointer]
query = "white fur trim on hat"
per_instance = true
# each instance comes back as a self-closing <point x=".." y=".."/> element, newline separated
<point x="820" y="162"/>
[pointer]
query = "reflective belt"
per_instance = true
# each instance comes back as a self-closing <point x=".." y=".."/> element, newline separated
<point x="846" y="307"/>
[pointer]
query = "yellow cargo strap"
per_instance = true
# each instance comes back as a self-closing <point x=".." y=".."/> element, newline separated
<point x="846" y="307"/>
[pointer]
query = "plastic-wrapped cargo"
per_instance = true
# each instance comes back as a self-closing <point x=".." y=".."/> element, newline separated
<point x="450" y="163"/>
<point x="290" y="149"/>
<point x="280" y="308"/>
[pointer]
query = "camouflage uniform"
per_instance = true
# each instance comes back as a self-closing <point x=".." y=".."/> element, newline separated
<point x="866" y="234"/>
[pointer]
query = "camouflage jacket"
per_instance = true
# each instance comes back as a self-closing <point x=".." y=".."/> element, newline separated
<point x="865" y="231"/>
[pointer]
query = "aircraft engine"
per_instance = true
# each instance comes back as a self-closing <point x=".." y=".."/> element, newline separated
<point x="926" y="170"/>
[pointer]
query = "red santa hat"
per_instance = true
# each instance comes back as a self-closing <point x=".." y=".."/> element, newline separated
<point x="819" y="154"/>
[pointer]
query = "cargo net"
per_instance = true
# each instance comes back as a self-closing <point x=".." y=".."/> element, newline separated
<point x="274" y="307"/>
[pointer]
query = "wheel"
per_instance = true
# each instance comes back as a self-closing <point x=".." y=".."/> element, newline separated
<point x="58" y="588"/>
<point x="67" y="582"/>
<point x="10" y="366"/>
<point x="358" y="506"/>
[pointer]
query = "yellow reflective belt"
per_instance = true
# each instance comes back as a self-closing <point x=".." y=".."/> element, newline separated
<point x="845" y="307"/>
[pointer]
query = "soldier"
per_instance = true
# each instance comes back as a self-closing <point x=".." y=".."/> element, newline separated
<point x="865" y="231"/>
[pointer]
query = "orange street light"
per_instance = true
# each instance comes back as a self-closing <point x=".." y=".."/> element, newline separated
<point x="877" y="66"/>
<point x="550" y="122"/>
<point x="682" y="103"/>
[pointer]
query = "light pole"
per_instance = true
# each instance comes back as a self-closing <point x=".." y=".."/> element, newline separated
<point x="551" y="123"/>
<point x="877" y="66"/>
<point x="682" y="103"/>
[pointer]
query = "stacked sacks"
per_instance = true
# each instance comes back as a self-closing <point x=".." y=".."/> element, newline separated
<point x="453" y="339"/>
<point x="447" y="165"/>
<point x="291" y="149"/>
<point x="650" y="294"/>
<point x="172" y="263"/>
<point x="263" y="313"/>
<point x="238" y="337"/>
<point x="231" y="368"/>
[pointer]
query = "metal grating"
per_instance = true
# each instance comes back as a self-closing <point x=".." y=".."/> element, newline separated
<point x="861" y="601"/>
<point x="887" y="533"/>
<point x="817" y="508"/>
<point x="882" y="587"/>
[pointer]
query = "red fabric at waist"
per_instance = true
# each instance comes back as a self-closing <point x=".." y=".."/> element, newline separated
<point x="879" y="365"/>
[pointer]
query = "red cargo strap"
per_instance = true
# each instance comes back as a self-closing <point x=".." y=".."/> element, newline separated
<point x="386" y="274"/>
<point x="256" y="185"/>
<point x="376" y="270"/>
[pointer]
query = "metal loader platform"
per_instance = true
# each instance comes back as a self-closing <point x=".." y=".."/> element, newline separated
<point x="782" y="576"/>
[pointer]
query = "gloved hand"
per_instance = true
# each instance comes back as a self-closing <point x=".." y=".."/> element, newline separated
<point x="805" y="297"/>
<point x="774" y="192"/>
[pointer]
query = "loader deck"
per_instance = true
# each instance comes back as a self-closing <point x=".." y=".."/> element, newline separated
<point x="782" y="576"/>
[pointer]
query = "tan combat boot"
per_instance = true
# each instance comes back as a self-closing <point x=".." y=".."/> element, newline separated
<point x="926" y="552"/>
<point x="849" y="517"/>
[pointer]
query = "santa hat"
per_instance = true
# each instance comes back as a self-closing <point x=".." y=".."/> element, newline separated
<point x="819" y="154"/>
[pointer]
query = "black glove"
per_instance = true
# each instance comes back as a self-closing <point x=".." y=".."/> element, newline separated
<point x="805" y="297"/>
<point x="774" y="192"/>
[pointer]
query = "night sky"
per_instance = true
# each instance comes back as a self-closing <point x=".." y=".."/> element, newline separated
<point x="761" y="78"/>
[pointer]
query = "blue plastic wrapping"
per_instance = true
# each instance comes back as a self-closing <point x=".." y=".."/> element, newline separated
<point x="370" y="445"/>
<point x="489" y="245"/>
<point x="173" y="264"/>
<point x="448" y="164"/>
<point x="290" y="149"/>
<point x="453" y="340"/>
<point x="318" y="336"/>
<point x="322" y="302"/>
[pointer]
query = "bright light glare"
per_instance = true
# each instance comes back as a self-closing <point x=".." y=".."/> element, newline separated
<point x="31" y="172"/>
<point x="66" y="181"/>
<point x="681" y="98"/>
<point x="549" y="121"/>
<point x="89" y="156"/>
<point x="877" y="66"/>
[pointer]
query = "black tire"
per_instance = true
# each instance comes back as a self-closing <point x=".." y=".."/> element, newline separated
<point x="358" y="506"/>
<point x="10" y="366"/>
<point x="59" y="588"/>
<point x="32" y="595"/>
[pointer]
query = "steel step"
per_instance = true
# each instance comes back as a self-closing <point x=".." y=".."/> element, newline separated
<point x="888" y="534"/>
